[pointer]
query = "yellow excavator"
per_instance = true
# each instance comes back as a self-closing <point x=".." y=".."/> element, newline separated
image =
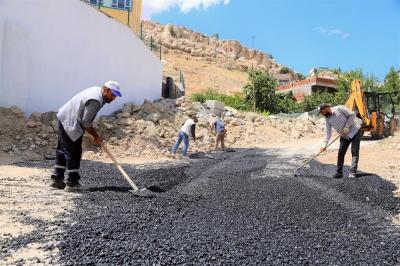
<point x="374" y="110"/>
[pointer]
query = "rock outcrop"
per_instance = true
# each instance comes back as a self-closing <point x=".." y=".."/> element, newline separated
<point x="228" y="54"/>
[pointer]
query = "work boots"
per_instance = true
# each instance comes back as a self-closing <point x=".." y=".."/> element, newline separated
<point x="72" y="188"/>
<point x="352" y="174"/>
<point x="73" y="182"/>
<point x="337" y="175"/>
<point x="57" y="178"/>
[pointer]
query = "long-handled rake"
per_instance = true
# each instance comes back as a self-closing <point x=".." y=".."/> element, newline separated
<point x="314" y="156"/>
<point x="209" y="156"/>
<point x="144" y="192"/>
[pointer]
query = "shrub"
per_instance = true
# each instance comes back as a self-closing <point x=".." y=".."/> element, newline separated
<point x="284" y="70"/>
<point x="172" y="32"/>
<point x="237" y="101"/>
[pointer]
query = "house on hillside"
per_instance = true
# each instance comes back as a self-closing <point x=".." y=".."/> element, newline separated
<point x="308" y="86"/>
<point x="283" y="79"/>
<point x="127" y="12"/>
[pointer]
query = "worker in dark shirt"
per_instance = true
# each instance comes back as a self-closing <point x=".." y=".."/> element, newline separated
<point x="220" y="133"/>
<point x="74" y="118"/>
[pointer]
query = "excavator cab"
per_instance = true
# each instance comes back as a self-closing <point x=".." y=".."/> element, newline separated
<point x="381" y="103"/>
<point x="374" y="110"/>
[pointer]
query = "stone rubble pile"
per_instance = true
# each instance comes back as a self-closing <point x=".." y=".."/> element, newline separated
<point x="150" y="130"/>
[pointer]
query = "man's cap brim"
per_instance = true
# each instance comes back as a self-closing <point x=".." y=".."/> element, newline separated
<point x="116" y="93"/>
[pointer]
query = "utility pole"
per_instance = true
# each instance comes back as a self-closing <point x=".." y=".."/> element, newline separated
<point x="252" y="41"/>
<point x="254" y="94"/>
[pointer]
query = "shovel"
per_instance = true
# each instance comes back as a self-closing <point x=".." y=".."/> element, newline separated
<point x="136" y="191"/>
<point x="209" y="156"/>
<point x="314" y="156"/>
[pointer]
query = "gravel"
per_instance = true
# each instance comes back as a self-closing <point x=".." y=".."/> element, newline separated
<point x="240" y="208"/>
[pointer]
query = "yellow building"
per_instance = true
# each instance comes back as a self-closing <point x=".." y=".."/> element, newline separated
<point x="127" y="12"/>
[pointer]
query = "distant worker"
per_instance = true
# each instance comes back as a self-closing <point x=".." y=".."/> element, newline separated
<point x="343" y="121"/>
<point x="220" y="133"/>
<point x="74" y="118"/>
<point x="188" y="130"/>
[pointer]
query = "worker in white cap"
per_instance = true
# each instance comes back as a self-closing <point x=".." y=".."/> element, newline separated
<point x="74" y="118"/>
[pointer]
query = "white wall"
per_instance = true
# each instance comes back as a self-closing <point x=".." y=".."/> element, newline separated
<point x="51" y="50"/>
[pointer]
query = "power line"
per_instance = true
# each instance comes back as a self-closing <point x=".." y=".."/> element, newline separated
<point x="252" y="41"/>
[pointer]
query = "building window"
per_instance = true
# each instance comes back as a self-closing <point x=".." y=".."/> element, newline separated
<point x="128" y="4"/>
<point x="120" y="4"/>
<point x="123" y="4"/>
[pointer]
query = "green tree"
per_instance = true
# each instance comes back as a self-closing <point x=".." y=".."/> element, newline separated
<point x="343" y="84"/>
<point x="312" y="101"/>
<point x="336" y="71"/>
<point x="270" y="57"/>
<point x="392" y="85"/>
<point x="216" y="36"/>
<point x="264" y="87"/>
<point x="284" y="70"/>
<point x="301" y="76"/>
<point x="287" y="104"/>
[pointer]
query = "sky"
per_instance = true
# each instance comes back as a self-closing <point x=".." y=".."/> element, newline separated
<point x="300" y="34"/>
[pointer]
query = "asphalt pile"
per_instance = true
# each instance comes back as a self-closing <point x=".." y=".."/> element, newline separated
<point x="240" y="208"/>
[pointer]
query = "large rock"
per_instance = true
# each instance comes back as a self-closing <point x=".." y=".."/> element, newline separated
<point x="35" y="116"/>
<point x="127" y="107"/>
<point x="153" y="117"/>
<point x="231" y="138"/>
<point x="190" y="112"/>
<point x="15" y="109"/>
<point x="126" y="121"/>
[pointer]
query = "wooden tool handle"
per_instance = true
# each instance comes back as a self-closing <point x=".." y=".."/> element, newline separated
<point x="318" y="153"/>
<point x="135" y="188"/>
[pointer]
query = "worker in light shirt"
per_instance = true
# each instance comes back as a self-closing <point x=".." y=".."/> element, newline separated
<point x="188" y="130"/>
<point x="342" y="119"/>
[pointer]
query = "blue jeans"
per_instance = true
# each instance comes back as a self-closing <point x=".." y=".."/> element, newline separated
<point x="185" y="138"/>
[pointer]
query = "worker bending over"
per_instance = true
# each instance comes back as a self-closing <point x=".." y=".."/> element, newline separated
<point x="74" y="118"/>
<point x="343" y="121"/>
<point x="188" y="130"/>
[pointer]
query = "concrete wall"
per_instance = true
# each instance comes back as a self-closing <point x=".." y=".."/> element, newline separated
<point x="51" y="50"/>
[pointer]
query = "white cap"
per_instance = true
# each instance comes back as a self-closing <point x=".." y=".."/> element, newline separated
<point x="114" y="87"/>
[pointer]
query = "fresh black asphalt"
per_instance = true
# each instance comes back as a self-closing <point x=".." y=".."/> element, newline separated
<point x="240" y="208"/>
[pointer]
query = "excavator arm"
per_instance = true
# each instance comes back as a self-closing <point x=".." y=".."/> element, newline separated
<point x="356" y="102"/>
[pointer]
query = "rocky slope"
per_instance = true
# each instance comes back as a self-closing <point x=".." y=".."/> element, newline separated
<point x="207" y="62"/>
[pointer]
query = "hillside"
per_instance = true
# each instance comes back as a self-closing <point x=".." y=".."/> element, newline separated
<point x="199" y="75"/>
<point x="206" y="62"/>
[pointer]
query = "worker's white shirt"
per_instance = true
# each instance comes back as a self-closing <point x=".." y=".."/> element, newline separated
<point x="186" y="128"/>
<point x="341" y="117"/>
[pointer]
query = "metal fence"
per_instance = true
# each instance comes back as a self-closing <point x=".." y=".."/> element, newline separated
<point x="171" y="90"/>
